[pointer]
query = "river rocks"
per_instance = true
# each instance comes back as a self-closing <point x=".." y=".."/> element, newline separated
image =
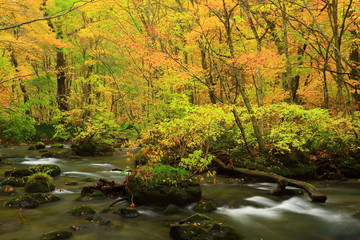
<point x="18" y="173"/>
<point x="7" y="191"/>
<point x="55" y="235"/>
<point x="50" y="169"/>
<point x="59" y="153"/>
<point x="200" y="227"/>
<point x="2" y="156"/>
<point x="39" y="182"/>
<point x="162" y="185"/>
<point x="57" y="146"/>
<point x="82" y="211"/>
<point x="45" y="198"/>
<point x="92" y="149"/>
<point x="31" y="200"/>
<point x="129" y="212"/>
<point x="32" y="148"/>
<point x="40" y="145"/>
<point x="234" y="180"/>
<point x="108" y="188"/>
<point x="172" y="209"/>
<point x="205" y="206"/>
<point x="23" y="201"/>
<point x="14" y="182"/>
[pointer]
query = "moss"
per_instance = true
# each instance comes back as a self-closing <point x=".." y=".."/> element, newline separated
<point x="205" y="206"/>
<point x="39" y="182"/>
<point x="56" y="235"/>
<point x="82" y="211"/>
<point x="23" y="201"/>
<point x="50" y="169"/>
<point x="96" y="194"/>
<point x="57" y="146"/>
<point x="45" y="198"/>
<point x="40" y="145"/>
<point x="18" y="173"/>
<point x="14" y="182"/>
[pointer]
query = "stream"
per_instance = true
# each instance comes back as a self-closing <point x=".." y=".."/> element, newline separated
<point x="247" y="207"/>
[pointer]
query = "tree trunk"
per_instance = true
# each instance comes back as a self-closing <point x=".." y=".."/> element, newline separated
<point x="314" y="194"/>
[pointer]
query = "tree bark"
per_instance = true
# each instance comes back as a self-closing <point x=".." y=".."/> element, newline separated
<point x="314" y="194"/>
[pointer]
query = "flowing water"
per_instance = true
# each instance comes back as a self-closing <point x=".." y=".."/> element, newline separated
<point x="246" y="207"/>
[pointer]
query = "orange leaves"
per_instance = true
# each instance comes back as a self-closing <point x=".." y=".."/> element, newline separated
<point x="252" y="61"/>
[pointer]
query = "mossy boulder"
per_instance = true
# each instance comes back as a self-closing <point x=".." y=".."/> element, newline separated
<point x="18" y="173"/>
<point x="2" y="156"/>
<point x="82" y="211"/>
<point x="7" y="191"/>
<point x="14" y="182"/>
<point x="32" y="148"/>
<point x="57" y="146"/>
<point x="172" y="209"/>
<point x="40" y="145"/>
<point x="205" y="206"/>
<point x="31" y="200"/>
<point x="55" y="235"/>
<point x="39" y="182"/>
<point x="92" y="149"/>
<point x="96" y="194"/>
<point x="52" y="170"/>
<point x="45" y="198"/>
<point x="128" y="212"/>
<point x="59" y="153"/>
<point x="200" y="227"/>
<point x="23" y="201"/>
<point x="162" y="185"/>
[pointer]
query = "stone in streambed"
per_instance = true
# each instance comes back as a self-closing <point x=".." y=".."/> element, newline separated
<point x="55" y="235"/>
<point x="14" y="182"/>
<point x="205" y="206"/>
<point x="82" y="211"/>
<point x="201" y="227"/>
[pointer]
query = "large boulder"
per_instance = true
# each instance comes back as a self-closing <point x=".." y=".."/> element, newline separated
<point x="200" y="227"/>
<point x="39" y="182"/>
<point x="92" y="149"/>
<point x="162" y="185"/>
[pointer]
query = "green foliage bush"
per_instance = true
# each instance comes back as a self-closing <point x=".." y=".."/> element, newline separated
<point x="15" y="127"/>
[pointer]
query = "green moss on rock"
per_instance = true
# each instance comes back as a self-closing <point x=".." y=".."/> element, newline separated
<point x="50" y="169"/>
<point x="55" y="235"/>
<point x="205" y="206"/>
<point x="18" y="173"/>
<point x="39" y="182"/>
<point x="14" y="182"/>
<point x="82" y="211"/>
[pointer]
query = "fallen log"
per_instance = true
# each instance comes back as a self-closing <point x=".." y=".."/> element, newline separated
<point x="282" y="182"/>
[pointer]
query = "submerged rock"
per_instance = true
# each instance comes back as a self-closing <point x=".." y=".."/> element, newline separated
<point x="205" y="206"/>
<point x="82" y="211"/>
<point x="39" y="182"/>
<point x="172" y="209"/>
<point x="201" y="227"/>
<point x="57" y="146"/>
<point x="57" y="235"/>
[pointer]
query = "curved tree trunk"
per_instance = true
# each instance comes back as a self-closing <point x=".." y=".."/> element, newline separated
<point x="314" y="194"/>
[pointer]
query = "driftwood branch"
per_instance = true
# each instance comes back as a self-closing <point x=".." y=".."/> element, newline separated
<point x="314" y="194"/>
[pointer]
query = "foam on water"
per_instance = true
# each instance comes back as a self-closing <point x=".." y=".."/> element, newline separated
<point x="61" y="191"/>
<point x="80" y="174"/>
<point x="101" y="165"/>
<point x="275" y="210"/>
<point x="37" y="161"/>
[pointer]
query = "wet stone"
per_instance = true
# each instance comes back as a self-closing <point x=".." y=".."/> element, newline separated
<point x="82" y="211"/>
<point x="128" y="212"/>
<point x="7" y="191"/>
<point x="205" y="206"/>
<point x="172" y="209"/>
<point x="57" y="235"/>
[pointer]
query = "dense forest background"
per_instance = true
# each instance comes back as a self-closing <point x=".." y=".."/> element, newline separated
<point x="267" y="84"/>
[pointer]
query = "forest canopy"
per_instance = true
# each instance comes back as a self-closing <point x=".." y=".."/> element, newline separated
<point x="186" y="79"/>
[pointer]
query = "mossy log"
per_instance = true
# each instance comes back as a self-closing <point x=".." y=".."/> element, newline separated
<point x="314" y="194"/>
